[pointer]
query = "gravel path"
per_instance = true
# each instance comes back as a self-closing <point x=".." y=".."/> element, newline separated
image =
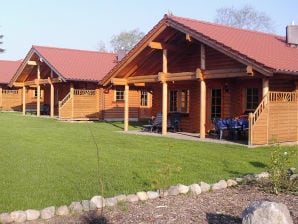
<point x="218" y="207"/>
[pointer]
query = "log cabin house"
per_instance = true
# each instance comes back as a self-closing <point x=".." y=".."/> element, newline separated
<point x="67" y="82"/>
<point x="204" y="70"/>
<point x="10" y="98"/>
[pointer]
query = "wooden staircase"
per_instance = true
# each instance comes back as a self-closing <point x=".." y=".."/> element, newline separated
<point x="80" y="104"/>
<point x="275" y="120"/>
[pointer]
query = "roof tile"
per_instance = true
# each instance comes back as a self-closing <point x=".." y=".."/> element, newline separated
<point x="8" y="69"/>
<point x="78" y="64"/>
<point x="267" y="49"/>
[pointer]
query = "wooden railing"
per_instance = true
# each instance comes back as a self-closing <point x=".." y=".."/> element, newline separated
<point x="76" y="92"/>
<point x="273" y="97"/>
<point x="254" y="117"/>
<point x="282" y="96"/>
<point x="84" y="92"/>
<point x="10" y="91"/>
<point x="64" y="100"/>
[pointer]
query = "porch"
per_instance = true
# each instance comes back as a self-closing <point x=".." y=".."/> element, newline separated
<point x="274" y="121"/>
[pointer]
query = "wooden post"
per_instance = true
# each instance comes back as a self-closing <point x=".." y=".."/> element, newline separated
<point x="203" y="96"/>
<point x="126" y="110"/>
<point x="72" y="99"/>
<point x="1" y="101"/>
<point x="164" y="94"/>
<point x="265" y="86"/>
<point x="24" y="100"/>
<point x="52" y="96"/>
<point x="250" y="123"/>
<point x="38" y="91"/>
<point x="203" y="110"/>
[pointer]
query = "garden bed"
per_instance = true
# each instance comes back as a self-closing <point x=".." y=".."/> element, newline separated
<point x="218" y="207"/>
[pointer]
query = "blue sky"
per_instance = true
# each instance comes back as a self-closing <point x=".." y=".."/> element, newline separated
<point x="82" y="24"/>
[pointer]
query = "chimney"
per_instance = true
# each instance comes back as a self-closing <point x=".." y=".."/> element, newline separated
<point x="121" y="54"/>
<point x="292" y="34"/>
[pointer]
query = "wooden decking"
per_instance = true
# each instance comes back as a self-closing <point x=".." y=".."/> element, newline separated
<point x="188" y="136"/>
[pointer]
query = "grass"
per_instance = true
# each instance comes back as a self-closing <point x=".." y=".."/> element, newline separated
<point x="45" y="162"/>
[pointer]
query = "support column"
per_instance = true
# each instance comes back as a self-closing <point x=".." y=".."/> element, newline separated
<point x="72" y="99"/>
<point x="24" y="100"/>
<point x="203" y="95"/>
<point x="1" y="96"/>
<point x="164" y="108"/>
<point x="52" y="101"/>
<point x="126" y="110"/>
<point x="203" y="110"/>
<point x="52" y="96"/>
<point x="265" y="86"/>
<point x="38" y="91"/>
<point x="164" y="93"/>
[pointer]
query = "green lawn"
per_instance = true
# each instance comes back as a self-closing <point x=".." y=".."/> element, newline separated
<point x="46" y="162"/>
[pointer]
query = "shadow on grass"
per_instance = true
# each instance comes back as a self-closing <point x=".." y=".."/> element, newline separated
<point x="133" y="124"/>
<point x="258" y="164"/>
<point x="94" y="218"/>
<point x="235" y="173"/>
<point x="222" y="219"/>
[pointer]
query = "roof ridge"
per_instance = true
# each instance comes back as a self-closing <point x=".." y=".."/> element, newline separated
<point x="72" y="49"/>
<point x="223" y="25"/>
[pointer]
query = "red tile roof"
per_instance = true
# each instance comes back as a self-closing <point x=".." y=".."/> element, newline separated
<point x="267" y="49"/>
<point x="77" y="64"/>
<point x="8" y="69"/>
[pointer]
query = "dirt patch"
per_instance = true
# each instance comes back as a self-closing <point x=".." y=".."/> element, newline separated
<point x="218" y="207"/>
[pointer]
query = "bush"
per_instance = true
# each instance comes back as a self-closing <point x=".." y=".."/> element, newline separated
<point x="280" y="172"/>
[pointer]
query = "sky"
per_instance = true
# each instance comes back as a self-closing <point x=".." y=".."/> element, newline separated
<point x="83" y="24"/>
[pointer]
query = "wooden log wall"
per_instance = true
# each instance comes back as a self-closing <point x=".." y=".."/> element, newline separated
<point x="283" y="122"/>
<point x="190" y="122"/>
<point x="86" y="106"/>
<point x="114" y="110"/>
<point x="11" y="99"/>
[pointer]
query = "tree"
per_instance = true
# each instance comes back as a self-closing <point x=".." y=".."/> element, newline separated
<point x="101" y="47"/>
<point x="1" y="49"/>
<point x="245" y="18"/>
<point x="126" y="40"/>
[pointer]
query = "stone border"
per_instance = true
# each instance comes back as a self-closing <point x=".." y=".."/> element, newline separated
<point x="98" y="202"/>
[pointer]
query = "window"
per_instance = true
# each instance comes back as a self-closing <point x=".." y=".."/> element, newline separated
<point x="179" y="101"/>
<point x="252" y="99"/>
<point x="144" y="98"/>
<point x="173" y="101"/>
<point x="215" y="103"/>
<point x="35" y="93"/>
<point x="119" y="95"/>
<point x="184" y="101"/>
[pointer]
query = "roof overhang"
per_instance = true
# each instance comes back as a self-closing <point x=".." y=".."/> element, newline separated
<point x="220" y="47"/>
<point x="160" y="27"/>
<point x="168" y="22"/>
<point x="278" y="72"/>
<point x="27" y="61"/>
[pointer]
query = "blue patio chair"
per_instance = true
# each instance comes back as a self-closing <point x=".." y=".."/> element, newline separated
<point x="45" y="110"/>
<point x="243" y="121"/>
<point x="233" y="127"/>
<point x="154" y="125"/>
<point x="220" y="126"/>
<point x="174" y="122"/>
